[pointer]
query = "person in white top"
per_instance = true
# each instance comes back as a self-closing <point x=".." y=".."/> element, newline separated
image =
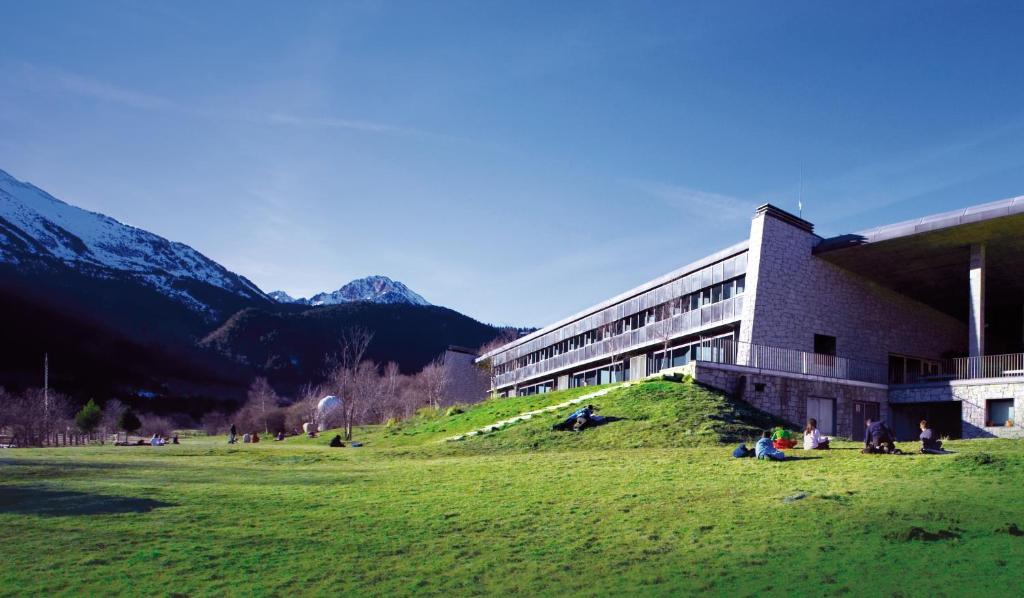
<point x="813" y="440"/>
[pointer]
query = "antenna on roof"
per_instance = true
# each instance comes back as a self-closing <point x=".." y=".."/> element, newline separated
<point x="800" y="198"/>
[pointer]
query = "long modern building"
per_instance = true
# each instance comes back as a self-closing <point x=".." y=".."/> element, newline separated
<point x="920" y="319"/>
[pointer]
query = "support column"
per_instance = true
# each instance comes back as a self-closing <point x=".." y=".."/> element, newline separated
<point x="976" y="322"/>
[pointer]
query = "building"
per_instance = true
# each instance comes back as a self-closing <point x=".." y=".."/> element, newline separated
<point x="464" y="381"/>
<point x="918" y="319"/>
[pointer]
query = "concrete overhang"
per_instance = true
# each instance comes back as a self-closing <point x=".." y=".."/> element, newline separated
<point x="928" y="258"/>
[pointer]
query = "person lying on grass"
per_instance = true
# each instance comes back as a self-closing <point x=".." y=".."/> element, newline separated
<point x="813" y="440"/>
<point x="765" y="449"/>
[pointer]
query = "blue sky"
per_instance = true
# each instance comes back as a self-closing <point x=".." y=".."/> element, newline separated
<point x="514" y="161"/>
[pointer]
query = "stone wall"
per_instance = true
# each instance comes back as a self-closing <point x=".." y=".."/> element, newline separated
<point x="792" y="295"/>
<point x="972" y="395"/>
<point x="467" y="383"/>
<point x="785" y="395"/>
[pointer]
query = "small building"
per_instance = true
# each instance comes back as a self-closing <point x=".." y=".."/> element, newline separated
<point x="920" y="319"/>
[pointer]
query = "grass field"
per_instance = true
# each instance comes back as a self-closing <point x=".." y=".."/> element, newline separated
<point x="514" y="516"/>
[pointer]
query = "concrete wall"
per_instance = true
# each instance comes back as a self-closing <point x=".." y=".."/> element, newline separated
<point x="792" y="295"/>
<point x="972" y="395"/>
<point x="785" y="395"/>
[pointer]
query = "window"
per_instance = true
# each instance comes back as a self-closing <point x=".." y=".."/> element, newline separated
<point x="999" y="412"/>
<point x="824" y="344"/>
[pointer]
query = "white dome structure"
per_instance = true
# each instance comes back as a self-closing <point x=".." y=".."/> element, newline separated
<point x="324" y="408"/>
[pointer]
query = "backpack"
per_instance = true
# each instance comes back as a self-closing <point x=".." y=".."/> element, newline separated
<point x="742" y="451"/>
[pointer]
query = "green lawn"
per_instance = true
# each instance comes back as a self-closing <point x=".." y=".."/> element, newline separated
<point x="487" y="516"/>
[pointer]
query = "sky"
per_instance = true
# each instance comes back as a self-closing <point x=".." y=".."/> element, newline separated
<point x="515" y="161"/>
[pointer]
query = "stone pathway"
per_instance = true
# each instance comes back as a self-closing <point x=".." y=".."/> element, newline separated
<point x="499" y="425"/>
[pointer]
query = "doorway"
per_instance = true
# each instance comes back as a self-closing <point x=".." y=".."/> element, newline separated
<point x="862" y="412"/>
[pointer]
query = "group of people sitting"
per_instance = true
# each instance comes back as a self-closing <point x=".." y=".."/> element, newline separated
<point x="247" y="438"/>
<point x="878" y="438"/>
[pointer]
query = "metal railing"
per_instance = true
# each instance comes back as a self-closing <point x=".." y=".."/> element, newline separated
<point x="730" y="352"/>
<point x="985" y="366"/>
<point x="614" y="347"/>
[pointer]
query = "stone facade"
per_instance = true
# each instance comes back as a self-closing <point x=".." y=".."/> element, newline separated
<point x="972" y="395"/>
<point x="785" y="395"/>
<point x="467" y="383"/>
<point x="793" y="295"/>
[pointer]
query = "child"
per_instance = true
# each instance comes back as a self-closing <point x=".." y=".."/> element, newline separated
<point x="928" y="440"/>
<point x="813" y="440"/>
<point x="765" y="450"/>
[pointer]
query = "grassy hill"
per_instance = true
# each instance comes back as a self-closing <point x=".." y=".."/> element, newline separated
<point x="653" y="414"/>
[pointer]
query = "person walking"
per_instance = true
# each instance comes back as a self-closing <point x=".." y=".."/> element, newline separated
<point x="233" y="435"/>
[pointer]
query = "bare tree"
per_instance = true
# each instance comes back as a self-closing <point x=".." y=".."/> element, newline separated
<point x="112" y="411"/>
<point x="383" y="402"/>
<point x="214" y="423"/>
<point x="434" y="378"/>
<point x="341" y="377"/>
<point x="304" y="409"/>
<point x="262" y="401"/>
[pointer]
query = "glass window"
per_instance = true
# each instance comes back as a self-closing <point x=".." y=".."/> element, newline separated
<point x="740" y="284"/>
<point x="741" y="263"/>
<point x="999" y="412"/>
<point x="705" y="277"/>
<point x="729" y="267"/>
<point x="705" y="296"/>
<point x="728" y="289"/>
<point x="716" y="293"/>
<point x="716" y="272"/>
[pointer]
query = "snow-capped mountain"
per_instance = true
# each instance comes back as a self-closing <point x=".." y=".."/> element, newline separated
<point x="372" y="289"/>
<point x="37" y="227"/>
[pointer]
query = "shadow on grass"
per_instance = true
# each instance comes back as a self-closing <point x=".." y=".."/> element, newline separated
<point x="35" y="500"/>
<point x="60" y="464"/>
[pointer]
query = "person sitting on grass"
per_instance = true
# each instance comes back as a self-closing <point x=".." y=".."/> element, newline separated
<point x="765" y="450"/>
<point x="782" y="439"/>
<point x="878" y="438"/>
<point x="336" y="441"/>
<point x="928" y="440"/>
<point x="255" y="437"/>
<point x="280" y="437"/>
<point x="246" y="438"/>
<point x="813" y="440"/>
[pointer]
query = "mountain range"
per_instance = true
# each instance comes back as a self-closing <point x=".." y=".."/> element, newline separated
<point x="124" y="312"/>
<point x="373" y="289"/>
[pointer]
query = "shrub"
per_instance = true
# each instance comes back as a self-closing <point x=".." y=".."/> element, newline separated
<point x="129" y="422"/>
<point x="89" y="418"/>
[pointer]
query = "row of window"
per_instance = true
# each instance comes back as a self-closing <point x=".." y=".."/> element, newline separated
<point x="680" y="305"/>
<point x="608" y="374"/>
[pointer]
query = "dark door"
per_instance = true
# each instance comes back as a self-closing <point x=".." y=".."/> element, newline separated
<point x="862" y="412"/>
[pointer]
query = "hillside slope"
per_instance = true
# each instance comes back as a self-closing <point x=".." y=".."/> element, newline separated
<point x="651" y="414"/>
<point x="288" y="344"/>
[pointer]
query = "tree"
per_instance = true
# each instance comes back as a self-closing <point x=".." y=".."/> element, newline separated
<point x="112" y="412"/>
<point x="262" y="401"/>
<point x="434" y="378"/>
<point x="129" y="422"/>
<point x="89" y="417"/>
<point x="344" y="370"/>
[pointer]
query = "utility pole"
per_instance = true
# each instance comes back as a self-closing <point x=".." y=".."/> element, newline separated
<point x="46" y="383"/>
